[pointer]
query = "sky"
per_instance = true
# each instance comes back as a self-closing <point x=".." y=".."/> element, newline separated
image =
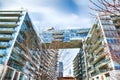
<point x="60" y="14"/>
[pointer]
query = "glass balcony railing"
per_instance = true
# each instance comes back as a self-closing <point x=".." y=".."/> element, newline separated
<point x="102" y="63"/>
<point x="30" y="66"/>
<point x="95" y="45"/>
<point x="10" y="13"/>
<point x="8" y="25"/>
<point x="83" y="75"/>
<point x="94" y="73"/>
<point x="108" y="22"/>
<point x="2" y="52"/>
<point x="18" y="60"/>
<point x="58" y="36"/>
<point x="5" y="36"/>
<point x="6" y="30"/>
<point x="99" y="57"/>
<point x="2" y="60"/>
<point x="99" y="49"/>
<point x="105" y="18"/>
<point x="89" y="57"/>
<point x="16" y="66"/>
<point x="8" y="19"/>
<point x="24" y="55"/>
<point x="4" y="45"/>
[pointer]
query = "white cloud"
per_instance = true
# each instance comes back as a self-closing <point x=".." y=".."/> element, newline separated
<point x="55" y="18"/>
<point x="51" y="16"/>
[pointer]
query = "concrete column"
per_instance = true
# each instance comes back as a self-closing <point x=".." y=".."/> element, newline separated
<point x="13" y="75"/>
<point x="18" y="75"/>
<point x="4" y="72"/>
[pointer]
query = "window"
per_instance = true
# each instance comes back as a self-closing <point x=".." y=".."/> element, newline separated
<point x="107" y="76"/>
<point x="111" y="34"/>
<point x="21" y="77"/>
<point x="9" y="74"/>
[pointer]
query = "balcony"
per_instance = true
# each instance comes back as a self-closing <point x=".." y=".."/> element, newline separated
<point x="54" y="40"/>
<point x="5" y="37"/>
<point x="58" y="36"/>
<point x="2" y="52"/>
<point x="89" y="38"/>
<point x="8" y="25"/>
<point x="95" y="45"/>
<point x="58" y="33"/>
<point x="30" y="67"/>
<point x="105" y="18"/>
<point x="106" y="22"/>
<point x="6" y="30"/>
<point x="90" y="57"/>
<point x="83" y="71"/>
<point x="83" y="75"/>
<point x="98" y="58"/>
<point x="98" y="34"/>
<point x="22" y="53"/>
<point x="91" y="69"/>
<point x="94" y="73"/>
<point x="103" y="63"/>
<point x="94" y="40"/>
<point x="10" y="13"/>
<point x="8" y="19"/>
<point x="89" y="66"/>
<point x="3" y="45"/>
<point x="21" y="62"/>
<point x="99" y="49"/>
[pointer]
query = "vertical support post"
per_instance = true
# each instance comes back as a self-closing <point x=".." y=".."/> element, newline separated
<point x="13" y="75"/>
<point x="4" y="72"/>
<point x="18" y="76"/>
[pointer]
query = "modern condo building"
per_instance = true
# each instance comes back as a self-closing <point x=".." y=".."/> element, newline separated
<point x="102" y="48"/>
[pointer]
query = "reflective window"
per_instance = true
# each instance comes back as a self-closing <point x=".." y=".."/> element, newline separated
<point x="9" y="74"/>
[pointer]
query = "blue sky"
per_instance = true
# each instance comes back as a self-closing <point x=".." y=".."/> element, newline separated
<point x="60" y="14"/>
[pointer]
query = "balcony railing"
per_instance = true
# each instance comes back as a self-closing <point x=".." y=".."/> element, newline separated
<point x="102" y="63"/>
<point x="4" y="45"/>
<point x="10" y="13"/>
<point x="8" y="25"/>
<point x="99" y="57"/>
<point x="2" y="52"/>
<point x="8" y="19"/>
<point x="94" y="73"/>
<point x="99" y="49"/>
<point x="21" y="62"/>
<point x="108" y="22"/>
<point x="90" y="57"/>
<point x="58" y="36"/>
<point x="5" y="37"/>
<point x="7" y="30"/>
<point x="96" y="45"/>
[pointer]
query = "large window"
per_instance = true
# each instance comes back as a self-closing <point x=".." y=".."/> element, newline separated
<point x="9" y="74"/>
<point x="111" y="34"/>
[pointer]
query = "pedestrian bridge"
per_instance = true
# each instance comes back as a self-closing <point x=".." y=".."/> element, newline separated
<point x="61" y="39"/>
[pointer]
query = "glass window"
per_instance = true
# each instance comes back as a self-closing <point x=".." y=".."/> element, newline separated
<point x="21" y="76"/>
<point x="107" y="76"/>
<point x="16" y="76"/>
<point x="9" y="74"/>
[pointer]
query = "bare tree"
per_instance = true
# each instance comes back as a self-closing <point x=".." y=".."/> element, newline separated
<point x="106" y="6"/>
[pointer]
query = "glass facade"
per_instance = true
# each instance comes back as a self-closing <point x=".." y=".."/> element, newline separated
<point x="19" y="47"/>
<point x="78" y="66"/>
<point x="102" y="49"/>
<point x="113" y="39"/>
<point x="63" y="35"/>
<point x="60" y="69"/>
